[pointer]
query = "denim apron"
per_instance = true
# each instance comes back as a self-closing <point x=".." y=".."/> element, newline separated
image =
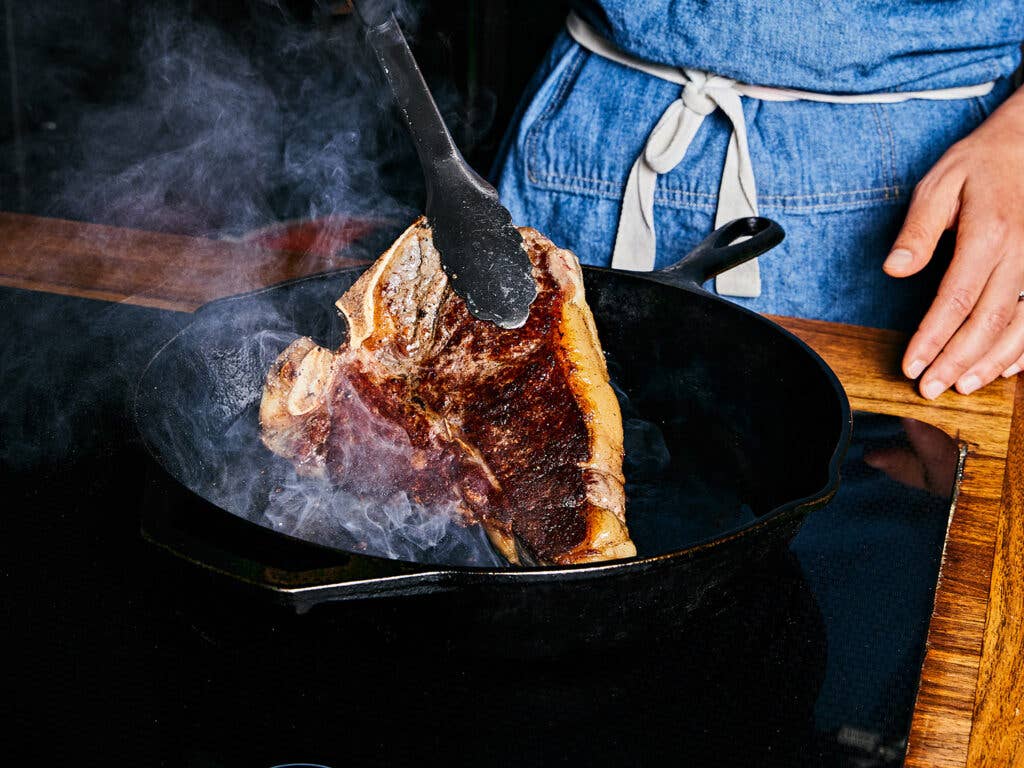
<point x="838" y="177"/>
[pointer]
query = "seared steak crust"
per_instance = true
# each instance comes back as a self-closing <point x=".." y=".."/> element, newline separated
<point x="520" y="427"/>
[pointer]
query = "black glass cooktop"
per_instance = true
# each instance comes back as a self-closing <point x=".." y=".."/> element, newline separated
<point x="124" y="654"/>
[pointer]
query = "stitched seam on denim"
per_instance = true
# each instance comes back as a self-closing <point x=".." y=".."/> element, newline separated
<point x="979" y="109"/>
<point x="885" y="190"/>
<point x="569" y="75"/>
<point x="884" y="129"/>
<point x="881" y="137"/>
<point x="614" y="190"/>
<point x="897" y="187"/>
<point x="834" y="207"/>
<point x="611" y="189"/>
<point x="682" y="200"/>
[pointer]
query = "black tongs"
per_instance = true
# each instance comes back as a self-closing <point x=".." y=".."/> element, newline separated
<point x="481" y="252"/>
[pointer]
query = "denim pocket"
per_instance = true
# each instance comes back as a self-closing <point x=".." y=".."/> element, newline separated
<point x="924" y="129"/>
<point x="986" y="105"/>
<point x="592" y="118"/>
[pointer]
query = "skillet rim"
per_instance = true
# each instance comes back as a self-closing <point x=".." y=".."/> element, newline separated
<point x="419" y="577"/>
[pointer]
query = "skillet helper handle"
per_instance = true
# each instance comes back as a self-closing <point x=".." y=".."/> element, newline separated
<point x="719" y="252"/>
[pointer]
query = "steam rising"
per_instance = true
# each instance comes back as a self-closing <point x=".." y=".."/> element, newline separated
<point x="214" y="136"/>
<point x="215" y="449"/>
<point x="219" y="365"/>
<point x="219" y="131"/>
<point x="396" y="527"/>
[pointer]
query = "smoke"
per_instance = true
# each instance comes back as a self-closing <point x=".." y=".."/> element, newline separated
<point x="396" y="527"/>
<point x="214" y="448"/>
<point x="218" y="366"/>
<point x="217" y="131"/>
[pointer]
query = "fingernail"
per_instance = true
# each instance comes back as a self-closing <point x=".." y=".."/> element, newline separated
<point x="968" y="384"/>
<point x="933" y="389"/>
<point x="1013" y="370"/>
<point x="915" y="368"/>
<point x="899" y="259"/>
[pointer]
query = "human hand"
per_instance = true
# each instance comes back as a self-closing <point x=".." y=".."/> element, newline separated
<point x="974" y="330"/>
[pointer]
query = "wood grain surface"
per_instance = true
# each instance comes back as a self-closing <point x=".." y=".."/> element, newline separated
<point x="975" y="573"/>
<point x="152" y="269"/>
<point x="969" y="706"/>
<point x="998" y="730"/>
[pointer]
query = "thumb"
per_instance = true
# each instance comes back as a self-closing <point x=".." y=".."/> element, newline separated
<point x="933" y="209"/>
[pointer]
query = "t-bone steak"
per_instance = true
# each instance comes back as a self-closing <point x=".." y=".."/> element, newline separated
<point x="520" y="427"/>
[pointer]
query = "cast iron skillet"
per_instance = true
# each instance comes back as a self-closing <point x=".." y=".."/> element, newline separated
<point x="755" y="425"/>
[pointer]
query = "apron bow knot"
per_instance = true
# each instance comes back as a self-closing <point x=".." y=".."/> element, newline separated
<point x="669" y="140"/>
<point x="696" y="96"/>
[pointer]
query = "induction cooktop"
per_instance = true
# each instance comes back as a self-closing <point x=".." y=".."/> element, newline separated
<point x="125" y="653"/>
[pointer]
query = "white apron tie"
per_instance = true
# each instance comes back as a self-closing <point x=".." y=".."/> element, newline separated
<point x="702" y="94"/>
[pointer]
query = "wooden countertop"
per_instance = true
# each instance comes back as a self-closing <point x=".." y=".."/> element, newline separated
<point x="970" y="707"/>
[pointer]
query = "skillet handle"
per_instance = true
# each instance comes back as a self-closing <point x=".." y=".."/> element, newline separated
<point x="718" y="252"/>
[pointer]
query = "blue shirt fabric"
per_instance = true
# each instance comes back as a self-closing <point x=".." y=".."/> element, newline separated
<point x="855" y="46"/>
<point x="838" y="177"/>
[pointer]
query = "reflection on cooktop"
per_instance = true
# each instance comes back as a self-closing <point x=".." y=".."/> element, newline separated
<point x="871" y="561"/>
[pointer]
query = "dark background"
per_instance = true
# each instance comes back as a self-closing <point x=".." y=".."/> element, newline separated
<point x="83" y="128"/>
<point x="212" y="118"/>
